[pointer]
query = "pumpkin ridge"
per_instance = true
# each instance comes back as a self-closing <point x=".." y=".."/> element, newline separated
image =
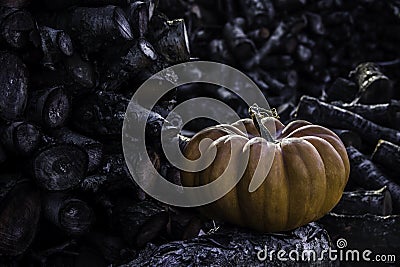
<point x="284" y="163"/>
<point x="305" y="138"/>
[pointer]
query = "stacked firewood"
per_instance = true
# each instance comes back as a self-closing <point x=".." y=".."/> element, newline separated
<point x="69" y="68"/>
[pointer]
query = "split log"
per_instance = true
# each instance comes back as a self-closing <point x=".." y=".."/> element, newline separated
<point x="14" y="85"/>
<point x="388" y="155"/>
<point x="59" y="167"/>
<point x="316" y="111"/>
<point x="138" y="14"/>
<point x="368" y="176"/>
<point x="70" y="214"/>
<point x="19" y="217"/>
<point x="93" y="148"/>
<point x="233" y="246"/>
<point x="15" y="27"/>
<point x="173" y="44"/>
<point x="49" y="107"/>
<point x="382" y="114"/>
<point x="377" y="202"/>
<point x="21" y="138"/>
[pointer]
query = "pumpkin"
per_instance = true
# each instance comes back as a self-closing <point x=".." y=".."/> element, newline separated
<point x="309" y="171"/>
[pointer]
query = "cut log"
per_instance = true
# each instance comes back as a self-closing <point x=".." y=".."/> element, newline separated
<point x="55" y="44"/>
<point x="49" y="107"/>
<point x="349" y="138"/>
<point x="70" y="214"/>
<point x="374" y="86"/>
<point x="368" y="176"/>
<point x="59" y="167"/>
<point x="19" y="217"/>
<point x="21" y="138"/>
<point x="377" y="202"/>
<point x="258" y="13"/>
<point x="93" y="148"/>
<point x="15" y="27"/>
<point x="241" y="46"/>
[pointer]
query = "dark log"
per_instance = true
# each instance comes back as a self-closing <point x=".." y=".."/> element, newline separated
<point x="376" y="233"/>
<point x="274" y="41"/>
<point x="70" y="214"/>
<point x="112" y="247"/>
<point x="129" y="218"/>
<point x="387" y="114"/>
<point x="64" y="4"/>
<point x="303" y="53"/>
<point x="240" y="45"/>
<point x="258" y="13"/>
<point x="374" y="86"/>
<point x="173" y="45"/>
<point x="232" y="246"/>
<point x="93" y="148"/>
<point x="3" y="155"/>
<point x="15" y="3"/>
<point x="19" y="217"/>
<point x="377" y="202"/>
<point x="349" y="138"/>
<point x="124" y="64"/>
<point x="322" y="113"/>
<point x="139" y="15"/>
<point x="94" y="28"/>
<point x="15" y="27"/>
<point x="14" y="84"/>
<point x="49" y="107"/>
<point x="59" y="167"/>
<point x="80" y="71"/>
<point x="315" y="23"/>
<point x="113" y="178"/>
<point x="277" y="62"/>
<point x="21" y="138"/>
<point x="368" y="176"/>
<point x="102" y="114"/>
<point x="341" y="90"/>
<point x="259" y="35"/>
<point x="55" y="44"/>
<point x="219" y="52"/>
<point x="387" y="154"/>
<point x="289" y="5"/>
<point x="289" y="77"/>
<point x="151" y="228"/>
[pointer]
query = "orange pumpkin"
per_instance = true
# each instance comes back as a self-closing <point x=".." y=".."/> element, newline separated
<point x="306" y="180"/>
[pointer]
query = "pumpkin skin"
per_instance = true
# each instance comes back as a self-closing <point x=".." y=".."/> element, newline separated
<point x="309" y="172"/>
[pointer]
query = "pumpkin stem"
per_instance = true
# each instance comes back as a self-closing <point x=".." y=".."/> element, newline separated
<point x="257" y="114"/>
